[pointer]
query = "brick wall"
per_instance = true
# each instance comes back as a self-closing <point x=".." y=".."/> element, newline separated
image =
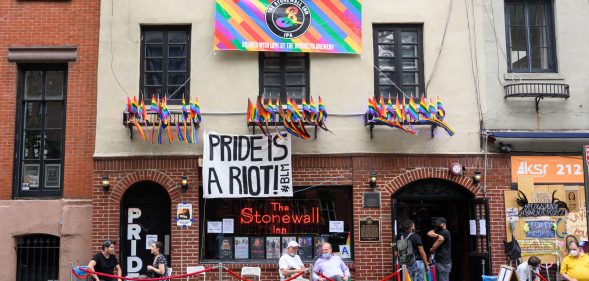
<point x="372" y="260"/>
<point x="53" y="23"/>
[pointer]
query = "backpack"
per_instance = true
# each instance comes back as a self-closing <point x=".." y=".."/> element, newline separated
<point x="405" y="250"/>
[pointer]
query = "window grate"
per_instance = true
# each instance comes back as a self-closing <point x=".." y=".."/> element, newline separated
<point x="37" y="257"/>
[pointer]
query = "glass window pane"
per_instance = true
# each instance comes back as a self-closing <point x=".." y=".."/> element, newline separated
<point x="386" y="37"/>
<point x="408" y="37"/>
<point x="153" y="65"/>
<point x="295" y="64"/>
<point x="386" y="64"/>
<point x="386" y="50"/>
<point x="538" y="35"/>
<point x="33" y="84"/>
<point x="271" y="92"/>
<point x="295" y="79"/>
<point x="519" y="58"/>
<point x="52" y="176"/>
<point x="54" y="86"/>
<point x="176" y="78"/>
<point x="33" y="114"/>
<point x="411" y="90"/>
<point x="295" y="92"/>
<point x="53" y="144"/>
<point x="410" y="64"/>
<point x="32" y="145"/>
<point x="387" y="91"/>
<point x="30" y="179"/>
<point x="385" y="78"/>
<point x="516" y="14"/>
<point x="536" y="14"/>
<point x="271" y="55"/>
<point x="176" y="93"/>
<point x="272" y="64"/>
<point x="153" y="51"/>
<point x="271" y="79"/>
<point x="410" y="78"/>
<point x="54" y="115"/>
<point x="154" y="37"/>
<point x="177" y="51"/>
<point x="539" y="58"/>
<point x="152" y="91"/>
<point x="177" y="64"/>
<point x="177" y="37"/>
<point x="153" y="79"/>
<point x="409" y="51"/>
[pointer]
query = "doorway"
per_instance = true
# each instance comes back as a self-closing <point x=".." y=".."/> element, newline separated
<point x="145" y="218"/>
<point x="424" y="200"/>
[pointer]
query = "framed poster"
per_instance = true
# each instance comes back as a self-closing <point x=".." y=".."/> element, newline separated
<point x="272" y="247"/>
<point x="30" y="176"/>
<point x="285" y="240"/>
<point x="318" y="242"/>
<point x="369" y="230"/>
<point x="258" y="250"/>
<point x="241" y="248"/>
<point x="306" y="250"/>
<point x="226" y="248"/>
<point x="52" y="175"/>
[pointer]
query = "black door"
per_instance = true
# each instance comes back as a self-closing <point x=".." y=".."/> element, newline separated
<point x="145" y="212"/>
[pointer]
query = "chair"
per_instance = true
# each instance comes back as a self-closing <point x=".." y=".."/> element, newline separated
<point x="251" y="271"/>
<point x="192" y="269"/>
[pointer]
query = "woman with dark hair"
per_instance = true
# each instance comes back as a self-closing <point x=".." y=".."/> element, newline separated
<point x="160" y="264"/>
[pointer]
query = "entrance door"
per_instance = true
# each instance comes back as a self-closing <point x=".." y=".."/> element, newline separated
<point x="424" y="200"/>
<point x="145" y="213"/>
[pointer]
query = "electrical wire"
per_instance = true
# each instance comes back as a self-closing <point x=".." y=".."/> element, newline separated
<point x="112" y="12"/>
<point x="435" y="68"/>
<point x="474" y="66"/>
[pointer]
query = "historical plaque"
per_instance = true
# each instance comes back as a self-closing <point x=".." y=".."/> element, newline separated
<point x="369" y="230"/>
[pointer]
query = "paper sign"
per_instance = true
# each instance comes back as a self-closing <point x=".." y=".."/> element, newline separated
<point x="214" y="227"/>
<point x="572" y="197"/>
<point x="483" y="227"/>
<point x="548" y="169"/>
<point x="336" y="226"/>
<point x="150" y="239"/>
<point x="345" y="251"/>
<point x="511" y="214"/>
<point x="473" y="227"/>
<point x="541" y="197"/>
<point x="184" y="214"/>
<point x="576" y="223"/>
<point x="227" y="225"/>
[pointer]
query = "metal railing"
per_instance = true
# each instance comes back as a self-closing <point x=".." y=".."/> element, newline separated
<point x="537" y="91"/>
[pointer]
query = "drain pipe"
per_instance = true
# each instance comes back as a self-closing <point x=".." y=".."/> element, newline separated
<point x="486" y="140"/>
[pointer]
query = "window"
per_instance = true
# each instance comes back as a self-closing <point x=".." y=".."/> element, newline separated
<point x="40" y="134"/>
<point x="37" y="257"/>
<point x="263" y="227"/>
<point x="284" y="75"/>
<point x="165" y="63"/>
<point x="530" y="36"/>
<point x="398" y="57"/>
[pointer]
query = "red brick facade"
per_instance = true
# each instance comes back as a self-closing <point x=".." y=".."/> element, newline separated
<point x="372" y="260"/>
<point x="45" y="24"/>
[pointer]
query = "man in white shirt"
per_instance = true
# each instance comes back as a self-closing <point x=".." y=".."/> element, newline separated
<point x="290" y="263"/>
<point x="526" y="271"/>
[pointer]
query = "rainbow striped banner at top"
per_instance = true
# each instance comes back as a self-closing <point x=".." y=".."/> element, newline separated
<point x="310" y="26"/>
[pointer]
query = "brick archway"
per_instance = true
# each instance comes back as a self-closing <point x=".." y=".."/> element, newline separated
<point x="396" y="183"/>
<point x="132" y="178"/>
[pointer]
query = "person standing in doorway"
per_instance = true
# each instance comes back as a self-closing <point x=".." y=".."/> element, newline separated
<point x="417" y="269"/>
<point x="442" y="248"/>
<point x="105" y="262"/>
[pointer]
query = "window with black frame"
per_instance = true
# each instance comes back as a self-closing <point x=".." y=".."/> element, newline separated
<point x="165" y="63"/>
<point x="398" y="57"/>
<point x="41" y="126"/>
<point x="284" y="75"/>
<point x="37" y="257"/>
<point x="259" y="229"/>
<point x="530" y="36"/>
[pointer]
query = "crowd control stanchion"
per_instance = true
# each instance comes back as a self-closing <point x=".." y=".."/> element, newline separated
<point x="541" y="277"/>
<point x="83" y="272"/>
<point x="220" y="271"/>
<point x="320" y="274"/>
<point x="396" y="273"/>
<point x="295" y="276"/>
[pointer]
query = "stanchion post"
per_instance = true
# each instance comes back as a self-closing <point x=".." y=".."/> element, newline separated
<point x="71" y="268"/>
<point x="483" y="265"/>
<point x="220" y="271"/>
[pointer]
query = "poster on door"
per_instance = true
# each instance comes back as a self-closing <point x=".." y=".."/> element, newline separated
<point x="184" y="214"/>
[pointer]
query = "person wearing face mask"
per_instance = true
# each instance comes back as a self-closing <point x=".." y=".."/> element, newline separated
<point x="575" y="266"/>
<point x="526" y="271"/>
<point x="290" y="263"/>
<point x="442" y="249"/>
<point x="417" y="268"/>
<point x="330" y="265"/>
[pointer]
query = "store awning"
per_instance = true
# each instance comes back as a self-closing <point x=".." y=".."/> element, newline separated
<point x="538" y="134"/>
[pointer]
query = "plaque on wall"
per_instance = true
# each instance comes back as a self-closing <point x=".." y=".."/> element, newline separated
<point x="369" y="230"/>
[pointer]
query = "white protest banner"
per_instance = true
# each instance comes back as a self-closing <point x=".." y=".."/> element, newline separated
<point x="237" y="166"/>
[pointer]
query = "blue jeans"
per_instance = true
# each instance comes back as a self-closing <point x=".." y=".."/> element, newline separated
<point x="417" y="271"/>
<point x="443" y="271"/>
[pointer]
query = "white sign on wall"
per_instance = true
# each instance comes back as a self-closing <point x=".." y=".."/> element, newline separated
<point x="237" y="166"/>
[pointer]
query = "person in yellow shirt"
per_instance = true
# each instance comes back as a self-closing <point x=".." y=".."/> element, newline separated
<point x="575" y="266"/>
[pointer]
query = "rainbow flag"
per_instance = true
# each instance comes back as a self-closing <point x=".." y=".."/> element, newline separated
<point x="441" y="112"/>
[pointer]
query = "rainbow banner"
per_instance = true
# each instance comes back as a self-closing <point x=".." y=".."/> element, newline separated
<point x="310" y="26"/>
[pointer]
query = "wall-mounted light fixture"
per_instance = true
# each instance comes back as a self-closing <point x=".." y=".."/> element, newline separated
<point x="373" y="179"/>
<point x="476" y="177"/>
<point x="105" y="183"/>
<point x="184" y="184"/>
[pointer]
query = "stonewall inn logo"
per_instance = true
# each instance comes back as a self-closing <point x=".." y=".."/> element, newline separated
<point x="288" y="18"/>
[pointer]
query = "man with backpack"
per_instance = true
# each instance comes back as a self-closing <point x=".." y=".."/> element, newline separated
<point x="442" y="249"/>
<point x="410" y="252"/>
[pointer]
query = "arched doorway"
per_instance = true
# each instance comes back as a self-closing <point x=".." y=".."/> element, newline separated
<point x="425" y="199"/>
<point x="145" y="213"/>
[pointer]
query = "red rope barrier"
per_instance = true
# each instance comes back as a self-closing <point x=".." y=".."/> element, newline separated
<point x="295" y="276"/>
<point x="235" y="274"/>
<point x="142" y="279"/>
<point x="320" y="274"/>
<point x="540" y="276"/>
<point x="392" y="275"/>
